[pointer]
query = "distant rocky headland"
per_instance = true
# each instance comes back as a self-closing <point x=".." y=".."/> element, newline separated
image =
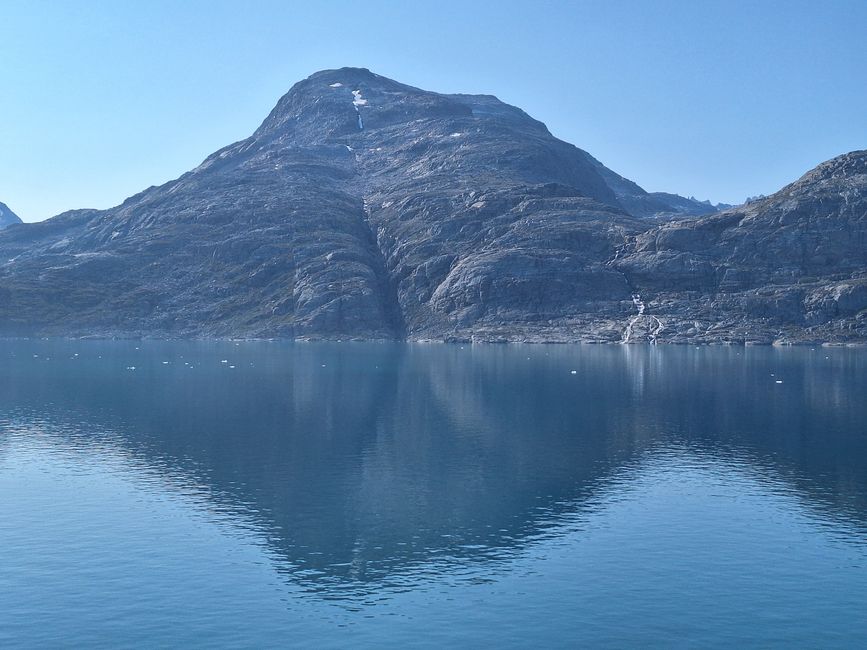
<point x="365" y="208"/>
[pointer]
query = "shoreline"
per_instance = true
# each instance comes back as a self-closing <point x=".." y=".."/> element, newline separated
<point x="448" y="341"/>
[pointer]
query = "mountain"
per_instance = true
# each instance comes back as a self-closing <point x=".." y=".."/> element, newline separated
<point x="788" y="267"/>
<point x="659" y="205"/>
<point x="7" y="217"/>
<point x="362" y="207"/>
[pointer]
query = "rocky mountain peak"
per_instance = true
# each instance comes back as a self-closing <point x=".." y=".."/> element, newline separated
<point x="7" y="217"/>
<point x="834" y="189"/>
<point x="336" y="103"/>
<point x="354" y="111"/>
<point x="363" y="207"/>
<point x="850" y="167"/>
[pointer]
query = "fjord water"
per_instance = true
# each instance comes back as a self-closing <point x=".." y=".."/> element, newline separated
<point x="264" y="494"/>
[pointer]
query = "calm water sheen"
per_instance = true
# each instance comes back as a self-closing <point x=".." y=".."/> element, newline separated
<point x="324" y="495"/>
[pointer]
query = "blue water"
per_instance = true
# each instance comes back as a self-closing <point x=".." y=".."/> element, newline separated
<point x="379" y="495"/>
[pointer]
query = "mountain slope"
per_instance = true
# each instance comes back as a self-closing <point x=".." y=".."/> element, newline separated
<point x="7" y="217"/>
<point x="335" y="218"/>
<point x="362" y="207"/>
<point x="788" y="267"/>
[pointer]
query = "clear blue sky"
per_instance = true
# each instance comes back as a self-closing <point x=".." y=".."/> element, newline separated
<point x="721" y="100"/>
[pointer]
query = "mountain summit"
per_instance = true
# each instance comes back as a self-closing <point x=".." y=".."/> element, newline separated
<point x="363" y="207"/>
<point x="7" y="217"/>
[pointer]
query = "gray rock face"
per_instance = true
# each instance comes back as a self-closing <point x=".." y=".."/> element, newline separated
<point x="791" y="267"/>
<point x="7" y="217"/>
<point x="366" y="208"/>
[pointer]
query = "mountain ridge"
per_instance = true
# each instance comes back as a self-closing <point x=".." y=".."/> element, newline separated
<point x="365" y="208"/>
<point x="7" y="217"/>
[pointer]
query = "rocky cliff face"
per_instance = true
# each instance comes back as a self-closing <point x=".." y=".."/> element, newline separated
<point x="7" y="217"/>
<point x="788" y="267"/>
<point x="366" y="208"/>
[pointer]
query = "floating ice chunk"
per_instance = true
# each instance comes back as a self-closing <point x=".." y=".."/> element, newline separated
<point x="779" y="381"/>
<point x="336" y="84"/>
<point x="574" y="372"/>
<point x="231" y="366"/>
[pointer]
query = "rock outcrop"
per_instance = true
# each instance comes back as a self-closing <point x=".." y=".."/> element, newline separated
<point x="791" y="267"/>
<point x="365" y="208"/>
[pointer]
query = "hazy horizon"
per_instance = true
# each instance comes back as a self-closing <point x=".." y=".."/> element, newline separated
<point x="105" y="101"/>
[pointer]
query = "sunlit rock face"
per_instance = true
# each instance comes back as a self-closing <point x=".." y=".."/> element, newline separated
<point x="366" y="208"/>
<point x="791" y="267"/>
<point x="7" y="217"/>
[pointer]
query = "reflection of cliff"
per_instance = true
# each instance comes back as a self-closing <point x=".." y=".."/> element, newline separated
<point x="807" y="430"/>
<point x="359" y="460"/>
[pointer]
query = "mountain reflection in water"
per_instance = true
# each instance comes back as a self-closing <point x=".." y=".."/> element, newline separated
<point x="370" y="469"/>
<point x="361" y="460"/>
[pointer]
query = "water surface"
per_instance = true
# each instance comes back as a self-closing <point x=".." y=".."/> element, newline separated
<point x="273" y="494"/>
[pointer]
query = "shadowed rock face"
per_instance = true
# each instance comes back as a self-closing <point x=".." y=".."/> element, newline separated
<point x="7" y="217"/>
<point x="363" y="207"/>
